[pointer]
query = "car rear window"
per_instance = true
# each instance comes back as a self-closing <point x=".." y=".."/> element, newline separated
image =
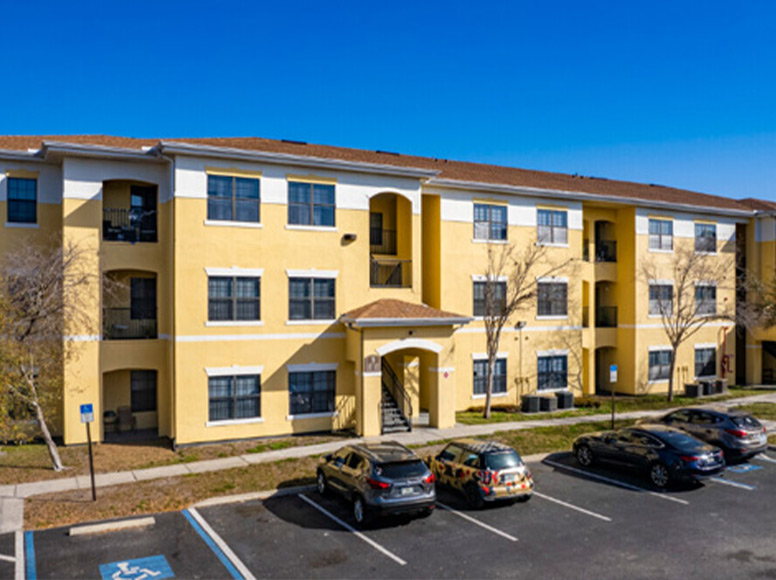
<point x="401" y="469"/>
<point x="746" y="421"/>
<point x="678" y="440"/>
<point x="502" y="460"/>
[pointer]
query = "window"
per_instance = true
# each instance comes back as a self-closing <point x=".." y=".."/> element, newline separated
<point x="552" y="227"/>
<point x="498" y="298"/>
<point x="661" y="299"/>
<point x="659" y="365"/>
<point x="375" y="229"/>
<point x="22" y="200"/>
<point x="705" y="238"/>
<point x="311" y="392"/>
<point x="661" y="235"/>
<point x="234" y="397"/>
<point x="705" y="300"/>
<point x="490" y="222"/>
<point x="311" y="299"/>
<point x="234" y="298"/>
<point x="481" y="377"/>
<point x="232" y="198"/>
<point x="552" y="298"/>
<point x="310" y="204"/>
<point x="142" y="298"/>
<point x="142" y="391"/>
<point x="552" y="372"/>
<point x="705" y="362"/>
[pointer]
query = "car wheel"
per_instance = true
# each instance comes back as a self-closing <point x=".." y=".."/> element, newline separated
<point x="321" y="484"/>
<point x="473" y="496"/>
<point x="426" y="512"/>
<point x="359" y="510"/>
<point x="659" y="475"/>
<point x="584" y="456"/>
<point x="524" y="498"/>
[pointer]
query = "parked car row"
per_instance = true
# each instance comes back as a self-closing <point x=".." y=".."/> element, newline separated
<point x="388" y="478"/>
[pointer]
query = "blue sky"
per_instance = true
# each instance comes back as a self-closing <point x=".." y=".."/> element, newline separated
<point x="677" y="93"/>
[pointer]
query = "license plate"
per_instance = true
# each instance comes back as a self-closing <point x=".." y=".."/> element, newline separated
<point x="508" y="478"/>
<point x="407" y="490"/>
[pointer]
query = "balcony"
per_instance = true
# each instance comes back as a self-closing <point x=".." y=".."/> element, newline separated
<point x="382" y="241"/>
<point x="605" y="251"/>
<point x="129" y="225"/>
<point x="585" y="317"/>
<point x="129" y="323"/>
<point x="385" y="273"/>
<point x="606" y="317"/>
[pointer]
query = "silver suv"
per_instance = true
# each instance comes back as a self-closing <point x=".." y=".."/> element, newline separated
<point x="378" y="478"/>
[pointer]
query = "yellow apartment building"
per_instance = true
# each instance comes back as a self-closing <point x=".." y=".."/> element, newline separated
<point x="278" y="287"/>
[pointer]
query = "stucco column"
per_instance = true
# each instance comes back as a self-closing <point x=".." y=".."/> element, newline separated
<point x="440" y="385"/>
<point x="369" y="401"/>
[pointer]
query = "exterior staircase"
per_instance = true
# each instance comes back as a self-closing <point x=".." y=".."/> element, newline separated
<point x="396" y="414"/>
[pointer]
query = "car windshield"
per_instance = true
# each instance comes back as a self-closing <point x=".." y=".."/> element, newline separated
<point x="678" y="440"/>
<point x="502" y="460"/>
<point x="402" y="469"/>
<point x="746" y="422"/>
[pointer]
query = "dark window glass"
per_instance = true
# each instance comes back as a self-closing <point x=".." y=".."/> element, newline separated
<point x="489" y="306"/>
<point x="705" y="362"/>
<point x="143" y="391"/>
<point x="142" y="298"/>
<point x="310" y="204"/>
<point x="234" y="298"/>
<point x="661" y="299"/>
<point x="502" y="460"/>
<point x="234" y="397"/>
<point x="705" y="300"/>
<point x="552" y="298"/>
<point x="705" y="238"/>
<point x="311" y="392"/>
<point x="659" y="365"/>
<point x="233" y="198"/>
<point x="552" y="372"/>
<point x="661" y="235"/>
<point x="22" y="200"/>
<point x="552" y="227"/>
<point x="490" y="222"/>
<point x="401" y="469"/>
<point x="311" y="299"/>
<point x="481" y="376"/>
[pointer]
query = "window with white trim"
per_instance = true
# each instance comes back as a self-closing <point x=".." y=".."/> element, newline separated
<point x="659" y="365"/>
<point x="661" y="234"/>
<point x="552" y="226"/>
<point x="22" y="200"/>
<point x="234" y="298"/>
<point x="490" y="222"/>
<point x="661" y="299"/>
<point x="234" y="397"/>
<point x="706" y="238"/>
<point x="232" y="198"/>
<point x="498" y="298"/>
<point x="481" y="376"/>
<point x="705" y="362"/>
<point x="552" y="372"/>
<point x="310" y="204"/>
<point x="311" y="299"/>
<point x="705" y="300"/>
<point x="552" y="298"/>
<point x="311" y="392"/>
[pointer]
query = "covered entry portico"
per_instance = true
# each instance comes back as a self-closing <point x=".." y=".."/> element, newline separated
<point x="403" y="357"/>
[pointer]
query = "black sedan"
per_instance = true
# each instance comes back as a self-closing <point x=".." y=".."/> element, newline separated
<point x="664" y="453"/>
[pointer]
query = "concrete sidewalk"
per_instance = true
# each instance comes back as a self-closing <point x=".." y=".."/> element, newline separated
<point x="11" y="496"/>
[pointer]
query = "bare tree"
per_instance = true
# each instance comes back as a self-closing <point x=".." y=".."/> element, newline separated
<point x="689" y="302"/>
<point x="510" y="284"/>
<point x="44" y="292"/>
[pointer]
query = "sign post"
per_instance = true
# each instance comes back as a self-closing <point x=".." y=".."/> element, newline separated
<point x="612" y="381"/>
<point x="87" y="416"/>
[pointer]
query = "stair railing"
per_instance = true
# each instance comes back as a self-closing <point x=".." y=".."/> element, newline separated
<point x="398" y="392"/>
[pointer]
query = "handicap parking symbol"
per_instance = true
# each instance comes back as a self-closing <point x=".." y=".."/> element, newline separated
<point x="151" y="568"/>
<point x="743" y="468"/>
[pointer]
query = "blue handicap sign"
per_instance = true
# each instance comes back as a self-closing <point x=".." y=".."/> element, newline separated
<point x="743" y="468"/>
<point x="151" y="568"/>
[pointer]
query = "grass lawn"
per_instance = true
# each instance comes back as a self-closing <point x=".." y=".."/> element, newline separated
<point x="622" y="405"/>
<point x="765" y="411"/>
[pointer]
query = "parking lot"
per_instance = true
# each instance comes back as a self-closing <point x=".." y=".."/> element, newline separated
<point x="595" y="523"/>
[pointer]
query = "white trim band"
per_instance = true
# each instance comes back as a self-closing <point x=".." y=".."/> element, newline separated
<point x="233" y="370"/>
<point x="312" y="273"/>
<point x="312" y="367"/>
<point x="227" y="422"/>
<point x="328" y="414"/>
<point x="235" y="271"/>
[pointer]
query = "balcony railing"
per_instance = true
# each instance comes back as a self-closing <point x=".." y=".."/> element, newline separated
<point x="606" y="317"/>
<point x="128" y="225"/>
<point x="382" y="241"/>
<point x="605" y="251"/>
<point x="120" y="324"/>
<point x="390" y="273"/>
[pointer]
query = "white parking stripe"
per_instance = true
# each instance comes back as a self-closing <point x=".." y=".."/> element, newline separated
<point x="242" y="568"/>
<point x="763" y="457"/>
<point x="573" y="507"/>
<point x="20" y="571"/>
<point x="5" y="558"/>
<point x="616" y="482"/>
<point x="733" y="483"/>
<point x="350" y="528"/>
<point x="477" y="522"/>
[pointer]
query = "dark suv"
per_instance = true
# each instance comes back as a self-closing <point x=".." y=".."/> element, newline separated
<point x="378" y="478"/>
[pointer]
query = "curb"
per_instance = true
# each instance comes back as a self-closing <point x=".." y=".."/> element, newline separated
<point x="243" y="497"/>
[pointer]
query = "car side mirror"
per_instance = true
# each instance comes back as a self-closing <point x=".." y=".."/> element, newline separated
<point x="327" y="457"/>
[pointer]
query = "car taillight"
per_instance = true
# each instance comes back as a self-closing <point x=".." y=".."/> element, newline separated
<point x="689" y="458"/>
<point x="375" y="484"/>
<point x="484" y="476"/>
<point x="429" y="479"/>
<point x="737" y="432"/>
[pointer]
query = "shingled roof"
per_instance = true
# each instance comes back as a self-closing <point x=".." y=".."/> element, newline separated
<point x="392" y="312"/>
<point x="448" y="170"/>
<point x="758" y="204"/>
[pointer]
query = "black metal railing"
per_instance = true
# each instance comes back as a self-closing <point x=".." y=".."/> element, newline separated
<point x="129" y="323"/>
<point x="382" y="241"/>
<point x="128" y="225"/>
<point x="390" y="273"/>
<point x="397" y="390"/>
<point x="605" y="251"/>
<point x="606" y="317"/>
<point x="585" y="316"/>
<point x="586" y="250"/>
